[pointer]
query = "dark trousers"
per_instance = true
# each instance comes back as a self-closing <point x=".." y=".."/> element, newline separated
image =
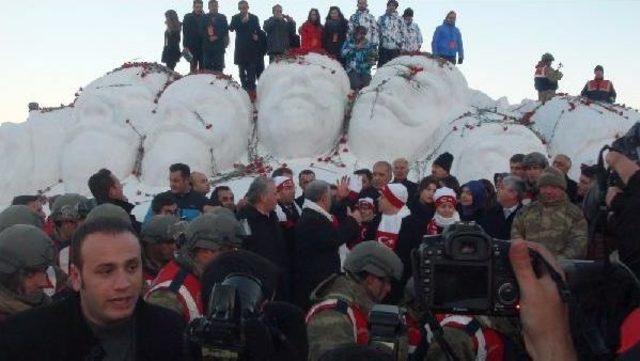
<point x="248" y="75"/>
<point x="386" y="55"/>
<point x="196" y="62"/>
<point x="214" y="61"/>
<point x="171" y="64"/>
<point x="451" y="59"/>
<point x="358" y="80"/>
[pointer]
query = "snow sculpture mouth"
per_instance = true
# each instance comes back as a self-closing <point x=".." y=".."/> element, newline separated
<point x="301" y="106"/>
<point x="407" y="100"/>
<point x="205" y="119"/>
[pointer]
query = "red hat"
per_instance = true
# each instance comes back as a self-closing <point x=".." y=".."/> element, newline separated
<point x="283" y="182"/>
<point x="396" y="194"/>
<point x="445" y="195"/>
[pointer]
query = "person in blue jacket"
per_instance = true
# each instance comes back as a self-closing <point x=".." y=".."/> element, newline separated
<point x="447" y="40"/>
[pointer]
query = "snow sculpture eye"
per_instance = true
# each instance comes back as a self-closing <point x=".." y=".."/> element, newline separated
<point x="202" y="120"/>
<point x="405" y="104"/>
<point x="301" y="106"/>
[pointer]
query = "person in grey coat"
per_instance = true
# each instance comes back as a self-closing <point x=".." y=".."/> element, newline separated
<point x="280" y="30"/>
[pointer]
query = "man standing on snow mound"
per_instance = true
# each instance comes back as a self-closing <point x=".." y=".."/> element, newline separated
<point x="192" y="37"/>
<point x="553" y="220"/>
<point x="104" y="319"/>
<point x="190" y="203"/>
<point x="413" y="41"/>
<point x="447" y="40"/>
<point x="280" y="29"/>
<point x="177" y="286"/>
<point x="363" y="18"/>
<point x="215" y="38"/>
<point x="393" y="34"/>
<point x="546" y="78"/>
<point x="247" y="27"/>
<point x="359" y="55"/>
<point x="598" y="89"/>
<point x="441" y="169"/>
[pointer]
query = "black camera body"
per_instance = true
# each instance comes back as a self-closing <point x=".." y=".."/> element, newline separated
<point x="388" y="330"/>
<point x="466" y="271"/>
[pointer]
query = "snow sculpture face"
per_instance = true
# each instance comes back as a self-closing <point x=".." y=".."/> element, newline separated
<point x="203" y="121"/>
<point x="405" y="104"/>
<point x="301" y="106"/>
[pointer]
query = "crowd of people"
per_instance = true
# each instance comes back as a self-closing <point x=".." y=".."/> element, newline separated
<point x="359" y="42"/>
<point x="86" y="258"/>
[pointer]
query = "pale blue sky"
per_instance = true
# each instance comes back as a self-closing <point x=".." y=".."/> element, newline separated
<point x="51" y="48"/>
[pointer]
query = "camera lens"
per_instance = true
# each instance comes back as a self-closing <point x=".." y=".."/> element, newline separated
<point x="507" y="294"/>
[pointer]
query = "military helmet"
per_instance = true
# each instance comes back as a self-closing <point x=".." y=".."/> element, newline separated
<point x="19" y="215"/>
<point x="24" y="247"/>
<point x="547" y="57"/>
<point x="374" y="258"/>
<point x="212" y="231"/>
<point x="160" y="229"/>
<point x="70" y="207"/>
<point x="108" y="210"/>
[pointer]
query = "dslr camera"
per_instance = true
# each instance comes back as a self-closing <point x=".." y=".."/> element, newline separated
<point x="464" y="270"/>
<point x="233" y="304"/>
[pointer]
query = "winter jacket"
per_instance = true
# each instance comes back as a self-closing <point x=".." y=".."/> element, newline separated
<point x="190" y="205"/>
<point x="279" y="33"/>
<point x="542" y="82"/>
<point x="363" y="18"/>
<point x="192" y="35"/>
<point x="447" y="41"/>
<point x="317" y="257"/>
<point x="246" y="49"/>
<point x="625" y="223"/>
<point x="171" y="51"/>
<point x="393" y="31"/>
<point x="496" y="225"/>
<point x="311" y="37"/>
<point x="599" y="90"/>
<point x="413" y="41"/>
<point x="215" y="25"/>
<point x="334" y="36"/>
<point x="128" y="207"/>
<point x="60" y="332"/>
<point x="572" y="189"/>
<point x="359" y="60"/>
<point x="559" y="226"/>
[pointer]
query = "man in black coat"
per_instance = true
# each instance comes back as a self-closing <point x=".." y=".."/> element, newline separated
<point x="215" y="38"/>
<point x="192" y="25"/>
<point x="497" y="221"/>
<point x="105" y="317"/>
<point x="400" y="173"/>
<point x="265" y="236"/>
<point x="106" y="188"/>
<point x="247" y="27"/>
<point x="563" y="163"/>
<point x="318" y="239"/>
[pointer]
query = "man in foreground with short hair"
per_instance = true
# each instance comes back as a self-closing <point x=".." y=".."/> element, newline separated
<point x="105" y="318"/>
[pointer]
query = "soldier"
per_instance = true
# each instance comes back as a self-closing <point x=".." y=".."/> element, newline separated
<point x="26" y="252"/>
<point x="19" y="215"/>
<point x="553" y="220"/>
<point x="68" y="213"/>
<point x="343" y="301"/>
<point x="158" y="245"/>
<point x="599" y="89"/>
<point x="108" y="210"/>
<point x="546" y="78"/>
<point x="534" y="164"/>
<point x="178" y="286"/>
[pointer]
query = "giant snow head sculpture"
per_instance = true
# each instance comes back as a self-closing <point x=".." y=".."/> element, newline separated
<point x="301" y="106"/>
<point x="407" y="100"/>
<point x="203" y="120"/>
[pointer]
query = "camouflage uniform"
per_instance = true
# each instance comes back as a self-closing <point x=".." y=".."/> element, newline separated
<point x="330" y="328"/>
<point x="559" y="226"/>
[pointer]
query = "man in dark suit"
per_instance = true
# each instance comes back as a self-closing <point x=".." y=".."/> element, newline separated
<point x="247" y="27"/>
<point x="104" y="318"/>
<point x="497" y="222"/>
<point x="318" y="239"/>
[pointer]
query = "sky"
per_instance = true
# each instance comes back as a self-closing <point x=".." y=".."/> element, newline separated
<point x="53" y="47"/>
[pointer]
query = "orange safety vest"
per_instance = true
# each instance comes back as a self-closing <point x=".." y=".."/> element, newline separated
<point x="541" y="71"/>
<point x="185" y="285"/>
<point x="599" y="85"/>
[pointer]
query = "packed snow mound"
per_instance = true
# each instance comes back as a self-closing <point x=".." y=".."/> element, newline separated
<point x="577" y="127"/>
<point x="301" y="105"/>
<point x="406" y="102"/>
<point x="205" y="119"/>
<point x="482" y="144"/>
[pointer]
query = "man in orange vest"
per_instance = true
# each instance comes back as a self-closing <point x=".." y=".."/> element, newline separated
<point x="343" y="301"/>
<point x="178" y="286"/>
<point x="598" y="89"/>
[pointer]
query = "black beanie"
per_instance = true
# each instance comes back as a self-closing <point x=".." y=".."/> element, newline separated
<point x="408" y="12"/>
<point x="444" y="160"/>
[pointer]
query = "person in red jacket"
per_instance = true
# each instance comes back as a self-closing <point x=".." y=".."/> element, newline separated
<point x="311" y="33"/>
